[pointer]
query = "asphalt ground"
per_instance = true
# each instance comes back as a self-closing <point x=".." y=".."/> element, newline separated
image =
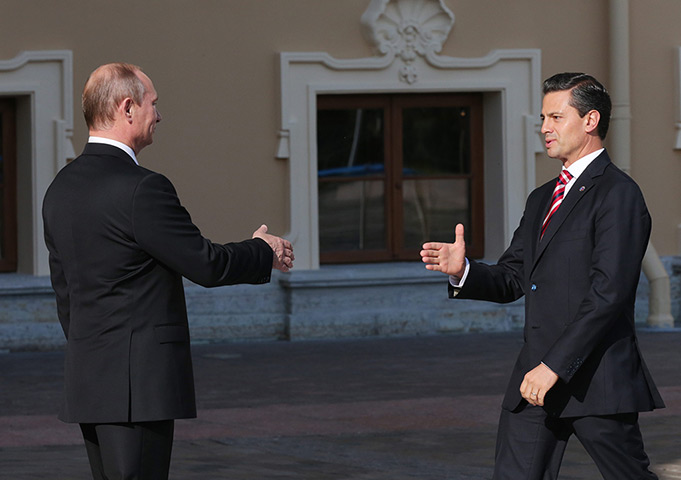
<point x="368" y="409"/>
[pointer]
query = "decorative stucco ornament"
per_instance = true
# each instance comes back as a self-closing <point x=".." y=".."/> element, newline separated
<point x="406" y="29"/>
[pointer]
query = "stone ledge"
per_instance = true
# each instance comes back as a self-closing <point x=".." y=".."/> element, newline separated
<point x="341" y="301"/>
<point x="336" y="301"/>
<point x="21" y="284"/>
<point x="358" y="275"/>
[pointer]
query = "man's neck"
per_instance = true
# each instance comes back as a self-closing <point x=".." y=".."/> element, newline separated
<point x="115" y="142"/>
<point x="588" y="149"/>
<point x="116" y="134"/>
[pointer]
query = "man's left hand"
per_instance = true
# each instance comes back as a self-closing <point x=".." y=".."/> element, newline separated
<point x="537" y="383"/>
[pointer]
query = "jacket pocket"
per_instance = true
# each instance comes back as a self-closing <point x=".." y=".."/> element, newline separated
<point x="171" y="333"/>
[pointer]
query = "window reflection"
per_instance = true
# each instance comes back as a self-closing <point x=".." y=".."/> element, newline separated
<point x="351" y="216"/>
<point x="436" y="140"/>
<point x="432" y="208"/>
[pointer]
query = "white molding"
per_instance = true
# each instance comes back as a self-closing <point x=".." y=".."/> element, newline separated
<point x="677" y="83"/>
<point x="406" y="29"/>
<point x="46" y="77"/>
<point x="514" y="74"/>
<point x="408" y="36"/>
<point x="63" y="58"/>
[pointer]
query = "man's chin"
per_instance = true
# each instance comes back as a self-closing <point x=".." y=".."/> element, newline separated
<point x="553" y="152"/>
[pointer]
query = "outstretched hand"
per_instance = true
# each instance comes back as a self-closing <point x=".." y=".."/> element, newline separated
<point x="283" y="250"/>
<point x="449" y="258"/>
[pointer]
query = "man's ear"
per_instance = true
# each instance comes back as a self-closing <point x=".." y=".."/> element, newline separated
<point x="126" y="108"/>
<point x="592" y="119"/>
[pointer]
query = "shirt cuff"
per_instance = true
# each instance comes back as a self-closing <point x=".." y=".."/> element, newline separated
<point x="457" y="282"/>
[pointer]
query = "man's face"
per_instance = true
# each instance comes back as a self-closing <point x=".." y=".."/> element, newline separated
<point x="146" y="115"/>
<point x="565" y="132"/>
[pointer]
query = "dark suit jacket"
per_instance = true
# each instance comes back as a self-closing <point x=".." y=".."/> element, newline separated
<point x="119" y="244"/>
<point x="579" y="283"/>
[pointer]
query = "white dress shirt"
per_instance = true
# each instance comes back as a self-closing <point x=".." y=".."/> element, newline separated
<point x="114" y="143"/>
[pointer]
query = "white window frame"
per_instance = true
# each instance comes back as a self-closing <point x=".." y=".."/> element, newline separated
<point x="511" y="84"/>
<point x="43" y="83"/>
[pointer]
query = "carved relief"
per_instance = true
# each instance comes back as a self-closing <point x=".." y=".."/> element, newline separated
<point x="406" y="29"/>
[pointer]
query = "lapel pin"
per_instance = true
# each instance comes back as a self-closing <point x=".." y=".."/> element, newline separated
<point x="582" y="188"/>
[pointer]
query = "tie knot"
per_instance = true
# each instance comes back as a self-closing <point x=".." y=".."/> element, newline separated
<point x="565" y="177"/>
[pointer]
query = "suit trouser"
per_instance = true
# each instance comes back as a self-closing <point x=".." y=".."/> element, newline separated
<point x="122" y="451"/>
<point x="531" y="444"/>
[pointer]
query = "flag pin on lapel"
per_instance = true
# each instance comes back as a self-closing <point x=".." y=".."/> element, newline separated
<point x="582" y="188"/>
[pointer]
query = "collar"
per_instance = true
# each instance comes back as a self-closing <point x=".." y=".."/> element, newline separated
<point x="115" y="143"/>
<point x="577" y="168"/>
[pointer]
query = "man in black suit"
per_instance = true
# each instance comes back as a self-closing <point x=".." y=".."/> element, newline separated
<point x="578" y="263"/>
<point x="120" y="243"/>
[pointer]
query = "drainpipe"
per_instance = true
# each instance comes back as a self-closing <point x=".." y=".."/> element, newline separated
<point x="659" y="314"/>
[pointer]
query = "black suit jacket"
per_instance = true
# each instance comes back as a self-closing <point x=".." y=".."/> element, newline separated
<point x="579" y="283"/>
<point x="119" y="243"/>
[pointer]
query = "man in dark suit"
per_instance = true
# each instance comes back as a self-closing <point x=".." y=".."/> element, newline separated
<point x="120" y="243"/>
<point x="578" y="263"/>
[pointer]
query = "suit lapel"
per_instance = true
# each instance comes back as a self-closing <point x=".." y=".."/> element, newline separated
<point x="542" y="210"/>
<point x="585" y="182"/>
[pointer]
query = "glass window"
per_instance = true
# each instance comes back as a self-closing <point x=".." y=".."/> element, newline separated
<point x="395" y="171"/>
<point x="436" y="140"/>
<point x="8" y="220"/>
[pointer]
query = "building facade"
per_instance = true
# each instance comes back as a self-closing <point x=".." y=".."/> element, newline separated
<point x="357" y="129"/>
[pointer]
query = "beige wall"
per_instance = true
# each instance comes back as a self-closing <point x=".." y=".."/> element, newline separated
<point x="572" y="37"/>
<point x="214" y="65"/>
<point x="655" y="165"/>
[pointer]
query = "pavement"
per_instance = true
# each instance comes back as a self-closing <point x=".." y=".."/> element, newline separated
<point x="369" y="409"/>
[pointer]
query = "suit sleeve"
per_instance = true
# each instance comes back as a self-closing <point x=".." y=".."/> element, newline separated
<point x="500" y="283"/>
<point x="163" y="228"/>
<point x="60" y="286"/>
<point x="622" y="230"/>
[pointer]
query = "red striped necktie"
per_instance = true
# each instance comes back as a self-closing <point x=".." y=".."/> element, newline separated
<point x="558" y="194"/>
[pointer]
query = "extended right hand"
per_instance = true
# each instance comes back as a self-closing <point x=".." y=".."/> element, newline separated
<point x="449" y="258"/>
<point x="283" y="250"/>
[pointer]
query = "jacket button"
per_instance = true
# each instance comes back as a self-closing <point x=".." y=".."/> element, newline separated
<point x="533" y="287"/>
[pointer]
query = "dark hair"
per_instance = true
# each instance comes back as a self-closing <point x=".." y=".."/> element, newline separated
<point x="586" y="94"/>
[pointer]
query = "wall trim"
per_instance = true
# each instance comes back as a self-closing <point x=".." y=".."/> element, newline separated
<point x="512" y="77"/>
<point x="45" y="78"/>
<point x="677" y="84"/>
